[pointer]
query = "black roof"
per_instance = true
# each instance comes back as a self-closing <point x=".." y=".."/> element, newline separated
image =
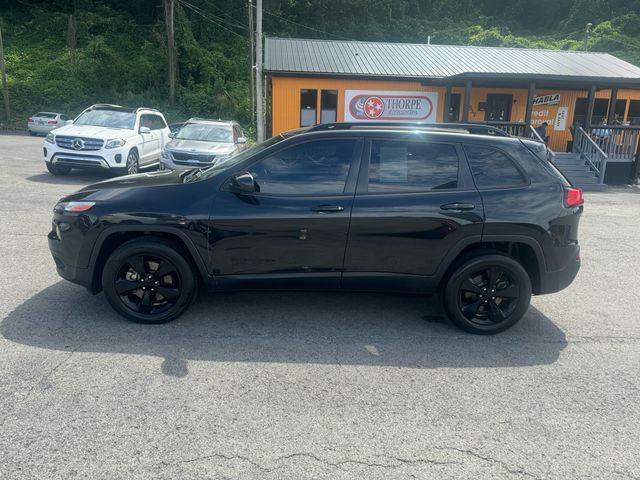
<point x="291" y="56"/>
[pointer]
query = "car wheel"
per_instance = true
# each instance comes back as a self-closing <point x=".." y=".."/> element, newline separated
<point x="57" y="169"/>
<point x="149" y="280"/>
<point x="487" y="294"/>
<point x="133" y="165"/>
<point x="33" y="134"/>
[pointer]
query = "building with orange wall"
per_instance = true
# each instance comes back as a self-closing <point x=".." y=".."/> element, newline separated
<point x="320" y="81"/>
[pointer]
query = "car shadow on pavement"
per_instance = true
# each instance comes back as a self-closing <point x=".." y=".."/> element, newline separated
<point x="75" y="177"/>
<point x="282" y="327"/>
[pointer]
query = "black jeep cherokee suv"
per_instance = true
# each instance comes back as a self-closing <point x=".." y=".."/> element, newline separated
<point x="485" y="219"/>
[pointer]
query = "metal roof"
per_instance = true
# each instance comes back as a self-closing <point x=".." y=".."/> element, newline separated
<point x="397" y="60"/>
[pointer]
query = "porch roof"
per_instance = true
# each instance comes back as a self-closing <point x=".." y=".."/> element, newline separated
<point x="445" y="63"/>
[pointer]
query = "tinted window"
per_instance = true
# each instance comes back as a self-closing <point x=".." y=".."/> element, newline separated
<point x="492" y="168"/>
<point x="412" y="166"/>
<point x="312" y="168"/>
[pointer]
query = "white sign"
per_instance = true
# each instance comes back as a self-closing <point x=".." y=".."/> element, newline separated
<point x="551" y="99"/>
<point x="388" y="106"/>
<point x="560" y="123"/>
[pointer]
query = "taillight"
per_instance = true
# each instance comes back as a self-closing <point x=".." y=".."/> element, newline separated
<point x="30" y="119"/>
<point x="52" y="122"/>
<point x="574" y="197"/>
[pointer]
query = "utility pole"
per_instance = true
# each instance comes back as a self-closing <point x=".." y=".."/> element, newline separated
<point x="253" y="63"/>
<point x="5" y="87"/>
<point x="259" y="115"/>
<point x="172" y="59"/>
<point x="586" y="36"/>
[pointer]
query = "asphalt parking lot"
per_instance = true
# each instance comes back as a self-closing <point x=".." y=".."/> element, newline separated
<point x="304" y="385"/>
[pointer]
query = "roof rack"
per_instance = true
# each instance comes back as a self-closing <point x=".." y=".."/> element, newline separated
<point x="473" y="128"/>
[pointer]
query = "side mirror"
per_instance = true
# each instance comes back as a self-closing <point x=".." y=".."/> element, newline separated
<point x="241" y="141"/>
<point x="243" y="182"/>
<point x="144" y="130"/>
<point x="172" y="135"/>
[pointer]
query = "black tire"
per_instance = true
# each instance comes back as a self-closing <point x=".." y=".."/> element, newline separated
<point x="134" y="289"/>
<point x="133" y="163"/>
<point x="57" y="169"/>
<point x="487" y="294"/>
<point x="33" y="134"/>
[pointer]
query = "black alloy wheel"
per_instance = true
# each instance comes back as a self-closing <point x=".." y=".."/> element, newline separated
<point x="488" y="294"/>
<point x="149" y="280"/>
<point x="148" y="284"/>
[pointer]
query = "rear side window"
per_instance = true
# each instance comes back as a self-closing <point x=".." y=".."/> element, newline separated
<point x="400" y="166"/>
<point x="491" y="168"/>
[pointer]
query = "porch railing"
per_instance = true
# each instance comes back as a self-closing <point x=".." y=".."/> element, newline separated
<point x="517" y="129"/>
<point x="591" y="152"/>
<point x="618" y="142"/>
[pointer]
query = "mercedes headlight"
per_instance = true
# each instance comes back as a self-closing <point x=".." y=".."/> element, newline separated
<point x="51" y="138"/>
<point x="115" y="143"/>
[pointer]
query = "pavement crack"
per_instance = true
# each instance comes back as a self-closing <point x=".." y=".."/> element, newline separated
<point x="504" y="465"/>
<point x="395" y="462"/>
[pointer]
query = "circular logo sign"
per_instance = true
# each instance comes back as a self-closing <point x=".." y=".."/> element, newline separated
<point x="373" y="107"/>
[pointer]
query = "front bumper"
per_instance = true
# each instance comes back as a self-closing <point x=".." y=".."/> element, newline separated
<point x="103" y="159"/>
<point x="67" y="244"/>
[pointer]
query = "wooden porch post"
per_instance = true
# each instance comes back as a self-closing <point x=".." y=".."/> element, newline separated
<point x="612" y="106"/>
<point x="591" y="100"/>
<point x="527" y="114"/>
<point x="447" y="104"/>
<point x="467" y="101"/>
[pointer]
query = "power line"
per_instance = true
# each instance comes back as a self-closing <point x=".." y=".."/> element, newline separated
<point x="213" y="17"/>
<point x="305" y="26"/>
<point x="207" y="17"/>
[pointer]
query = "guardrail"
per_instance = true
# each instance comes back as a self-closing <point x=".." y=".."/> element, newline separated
<point x="590" y="151"/>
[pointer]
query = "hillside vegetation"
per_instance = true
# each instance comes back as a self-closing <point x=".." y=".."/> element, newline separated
<point x="120" y="45"/>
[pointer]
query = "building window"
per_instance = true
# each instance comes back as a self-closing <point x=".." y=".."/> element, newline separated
<point x="600" y="107"/>
<point x="328" y="106"/>
<point x="308" y="107"/>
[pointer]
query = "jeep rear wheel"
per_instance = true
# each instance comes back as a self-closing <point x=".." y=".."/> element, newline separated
<point x="149" y="280"/>
<point x="488" y="294"/>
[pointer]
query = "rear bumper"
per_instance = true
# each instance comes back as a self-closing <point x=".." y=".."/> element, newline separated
<point x="554" y="281"/>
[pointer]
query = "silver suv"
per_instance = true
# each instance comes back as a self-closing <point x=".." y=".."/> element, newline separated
<point x="202" y="143"/>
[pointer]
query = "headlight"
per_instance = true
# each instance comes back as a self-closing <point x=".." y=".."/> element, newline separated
<point x="51" y="138"/>
<point x="164" y="154"/>
<point x="114" y="143"/>
<point x="222" y="158"/>
<point x="73" y="207"/>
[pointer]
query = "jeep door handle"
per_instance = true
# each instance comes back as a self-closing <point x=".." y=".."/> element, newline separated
<point x="458" y="206"/>
<point x="327" y="208"/>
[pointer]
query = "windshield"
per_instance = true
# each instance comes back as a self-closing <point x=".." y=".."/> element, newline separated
<point x="239" y="158"/>
<point x="205" y="132"/>
<point x="107" y="118"/>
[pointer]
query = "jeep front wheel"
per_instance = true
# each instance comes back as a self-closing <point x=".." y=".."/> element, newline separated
<point x="149" y="280"/>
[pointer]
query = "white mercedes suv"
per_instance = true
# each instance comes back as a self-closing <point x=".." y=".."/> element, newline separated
<point x="108" y="137"/>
